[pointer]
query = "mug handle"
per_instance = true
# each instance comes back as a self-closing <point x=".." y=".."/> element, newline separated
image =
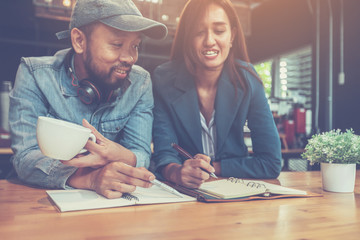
<point x="92" y="138"/>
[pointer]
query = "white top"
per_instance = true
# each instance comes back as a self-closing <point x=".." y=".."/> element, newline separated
<point x="208" y="136"/>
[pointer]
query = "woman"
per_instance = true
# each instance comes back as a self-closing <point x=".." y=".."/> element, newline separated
<point x="204" y="96"/>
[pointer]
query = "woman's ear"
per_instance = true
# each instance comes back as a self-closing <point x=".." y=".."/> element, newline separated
<point x="78" y="40"/>
<point x="233" y="34"/>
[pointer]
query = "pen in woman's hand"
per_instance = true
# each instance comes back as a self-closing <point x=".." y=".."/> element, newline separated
<point x="188" y="155"/>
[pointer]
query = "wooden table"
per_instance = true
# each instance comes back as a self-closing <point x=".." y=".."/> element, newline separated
<point x="6" y="151"/>
<point x="27" y="213"/>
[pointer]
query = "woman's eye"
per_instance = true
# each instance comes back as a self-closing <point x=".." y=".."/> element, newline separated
<point x="200" y="34"/>
<point x="219" y="31"/>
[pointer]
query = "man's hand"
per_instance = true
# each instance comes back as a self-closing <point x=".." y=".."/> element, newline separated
<point x="191" y="174"/>
<point x="112" y="180"/>
<point x="102" y="152"/>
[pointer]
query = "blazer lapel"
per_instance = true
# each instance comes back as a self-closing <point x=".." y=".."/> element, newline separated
<point x="186" y="107"/>
<point x="227" y="105"/>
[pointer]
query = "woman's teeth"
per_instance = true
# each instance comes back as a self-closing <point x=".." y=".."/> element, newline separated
<point x="210" y="53"/>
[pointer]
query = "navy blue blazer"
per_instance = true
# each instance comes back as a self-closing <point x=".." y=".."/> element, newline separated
<point x="177" y="120"/>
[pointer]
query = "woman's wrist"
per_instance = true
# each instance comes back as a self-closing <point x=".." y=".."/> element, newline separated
<point x="217" y="166"/>
<point x="172" y="172"/>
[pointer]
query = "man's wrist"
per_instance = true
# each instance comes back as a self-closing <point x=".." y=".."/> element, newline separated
<point x="81" y="178"/>
<point x="127" y="156"/>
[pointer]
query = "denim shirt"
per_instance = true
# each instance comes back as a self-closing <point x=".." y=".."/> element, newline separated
<point x="43" y="87"/>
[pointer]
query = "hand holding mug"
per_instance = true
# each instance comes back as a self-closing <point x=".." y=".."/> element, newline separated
<point x="60" y="139"/>
<point x="102" y="152"/>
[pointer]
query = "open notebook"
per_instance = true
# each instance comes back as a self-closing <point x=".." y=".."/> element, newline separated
<point x="79" y="199"/>
<point x="236" y="188"/>
<point x="233" y="189"/>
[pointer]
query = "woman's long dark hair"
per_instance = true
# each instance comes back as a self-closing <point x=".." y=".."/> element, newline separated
<point x="185" y="33"/>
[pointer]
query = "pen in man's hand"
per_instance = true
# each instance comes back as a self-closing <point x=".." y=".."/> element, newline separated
<point x="188" y="155"/>
<point x="163" y="185"/>
<point x="166" y="187"/>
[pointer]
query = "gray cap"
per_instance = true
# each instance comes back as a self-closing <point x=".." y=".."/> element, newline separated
<point x="119" y="14"/>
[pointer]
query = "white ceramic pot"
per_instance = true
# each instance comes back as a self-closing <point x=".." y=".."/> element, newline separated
<point x="338" y="177"/>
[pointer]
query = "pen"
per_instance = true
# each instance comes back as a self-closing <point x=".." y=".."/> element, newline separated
<point x="166" y="187"/>
<point x="188" y="155"/>
<point x="163" y="186"/>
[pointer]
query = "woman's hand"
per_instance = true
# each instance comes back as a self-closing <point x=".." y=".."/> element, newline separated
<point x="192" y="173"/>
<point x="102" y="152"/>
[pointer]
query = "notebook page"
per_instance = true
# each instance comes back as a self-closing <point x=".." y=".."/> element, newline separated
<point x="156" y="194"/>
<point x="275" y="189"/>
<point x="80" y="199"/>
<point x="226" y="189"/>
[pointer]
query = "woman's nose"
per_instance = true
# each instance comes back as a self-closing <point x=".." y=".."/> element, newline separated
<point x="210" y="40"/>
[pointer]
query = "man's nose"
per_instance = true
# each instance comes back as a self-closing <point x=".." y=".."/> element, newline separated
<point x="128" y="58"/>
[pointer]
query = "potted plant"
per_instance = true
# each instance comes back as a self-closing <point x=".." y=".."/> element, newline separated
<point x="338" y="153"/>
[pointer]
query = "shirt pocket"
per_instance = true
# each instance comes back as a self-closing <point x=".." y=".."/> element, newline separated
<point x="52" y="114"/>
<point x="112" y="129"/>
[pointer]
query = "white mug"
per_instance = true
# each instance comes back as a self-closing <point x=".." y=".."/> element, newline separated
<point x="60" y="139"/>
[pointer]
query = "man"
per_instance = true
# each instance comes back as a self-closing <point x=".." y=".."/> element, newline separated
<point x="97" y="84"/>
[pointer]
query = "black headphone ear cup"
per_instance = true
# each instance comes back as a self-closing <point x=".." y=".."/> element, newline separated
<point x="87" y="92"/>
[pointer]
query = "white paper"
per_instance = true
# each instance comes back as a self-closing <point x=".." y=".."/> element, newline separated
<point x="79" y="199"/>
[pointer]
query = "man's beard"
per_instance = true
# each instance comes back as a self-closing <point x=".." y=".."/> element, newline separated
<point x="98" y="78"/>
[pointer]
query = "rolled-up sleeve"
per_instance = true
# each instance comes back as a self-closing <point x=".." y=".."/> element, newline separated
<point x="26" y="104"/>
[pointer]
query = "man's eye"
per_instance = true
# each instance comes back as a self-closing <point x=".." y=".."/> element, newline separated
<point x="118" y="44"/>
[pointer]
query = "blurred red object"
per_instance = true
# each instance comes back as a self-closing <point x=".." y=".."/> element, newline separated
<point x="300" y="120"/>
<point x="289" y="131"/>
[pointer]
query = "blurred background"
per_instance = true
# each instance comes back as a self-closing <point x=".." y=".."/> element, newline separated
<point x="306" y="51"/>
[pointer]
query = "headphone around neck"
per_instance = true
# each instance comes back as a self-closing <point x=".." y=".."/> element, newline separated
<point x="87" y="91"/>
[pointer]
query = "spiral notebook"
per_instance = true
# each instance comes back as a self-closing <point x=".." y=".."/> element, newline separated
<point x="234" y="189"/>
<point x="79" y="199"/>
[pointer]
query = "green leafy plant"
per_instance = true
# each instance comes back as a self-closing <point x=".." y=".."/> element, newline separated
<point x="333" y="147"/>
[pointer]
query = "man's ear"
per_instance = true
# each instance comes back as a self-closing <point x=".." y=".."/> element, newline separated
<point x="78" y="40"/>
